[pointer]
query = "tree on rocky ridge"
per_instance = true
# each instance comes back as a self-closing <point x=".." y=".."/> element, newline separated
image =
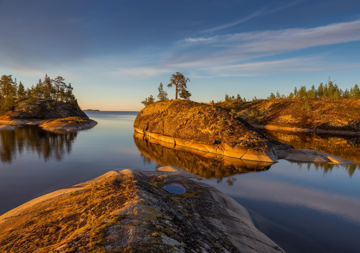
<point x="179" y="81"/>
<point x="162" y="94"/>
<point x="148" y="101"/>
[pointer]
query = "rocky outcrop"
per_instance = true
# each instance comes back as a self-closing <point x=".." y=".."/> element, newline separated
<point x="208" y="128"/>
<point x="45" y="109"/>
<point x="130" y="211"/>
<point x="56" y="117"/>
<point x="335" y="116"/>
<point x="204" y="127"/>
<point x="70" y="124"/>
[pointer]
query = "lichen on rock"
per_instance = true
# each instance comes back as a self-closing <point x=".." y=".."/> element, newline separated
<point x="204" y="127"/>
<point x="124" y="212"/>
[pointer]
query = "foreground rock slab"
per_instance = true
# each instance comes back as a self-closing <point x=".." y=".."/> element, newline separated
<point x="130" y="211"/>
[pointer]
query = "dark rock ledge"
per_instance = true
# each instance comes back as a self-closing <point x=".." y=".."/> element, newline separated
<point x="129" y="211"/>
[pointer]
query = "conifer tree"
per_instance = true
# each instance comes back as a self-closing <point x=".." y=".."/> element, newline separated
<point x="162" y="94"/>
<point x="21" y="91"/>
<point x="148" y="101"/>
<point x="227" y="98"/>
<point x="179" y="81"/>
<point x="185" y="94"/>
<point x="278" y="94"/>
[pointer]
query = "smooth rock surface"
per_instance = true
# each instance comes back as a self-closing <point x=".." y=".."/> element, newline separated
<point x="135" y="215"/>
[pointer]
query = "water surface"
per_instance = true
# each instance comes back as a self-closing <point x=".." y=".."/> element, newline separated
<point x="302" y="207"/>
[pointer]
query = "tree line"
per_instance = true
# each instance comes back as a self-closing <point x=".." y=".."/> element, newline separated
<point x="179" y="81"/>
<point x="323" y="91"/>
<point x="328" y="90"/>
<point x="12" y="92"/>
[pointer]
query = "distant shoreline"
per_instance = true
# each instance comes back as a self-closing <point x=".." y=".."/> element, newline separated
<point x="91" y="110"/>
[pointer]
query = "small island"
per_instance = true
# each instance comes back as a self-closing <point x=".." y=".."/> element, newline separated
<point x="225" y="128"/>
<point x="49" y="104"/>
<point x="91" y="110"/>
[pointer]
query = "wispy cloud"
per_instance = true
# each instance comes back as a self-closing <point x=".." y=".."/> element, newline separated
<point x="227" y="49"/>
<point x="263" y="11"/>
<point x="240" y="54"/>
<point x="139" y="72"/>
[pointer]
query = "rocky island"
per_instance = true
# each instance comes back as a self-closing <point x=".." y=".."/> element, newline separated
<point x="219" y="130"/>
<point x="131" y="211"/>
<point x="50" y="105"/>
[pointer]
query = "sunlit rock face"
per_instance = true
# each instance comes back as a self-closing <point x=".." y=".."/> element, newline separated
<point x="130" y="211"/>
<point x="323" y="115"/>
<point x="204" y="127"/>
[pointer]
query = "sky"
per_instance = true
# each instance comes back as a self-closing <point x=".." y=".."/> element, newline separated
<point x="116" y="53"/>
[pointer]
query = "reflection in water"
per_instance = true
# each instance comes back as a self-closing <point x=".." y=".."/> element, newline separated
<point x="347" y="147"/>
<point x="33" y="139"/>
<point x="200" y="163"/>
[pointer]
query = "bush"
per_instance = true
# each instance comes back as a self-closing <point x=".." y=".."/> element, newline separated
<point x="306" y="106"/>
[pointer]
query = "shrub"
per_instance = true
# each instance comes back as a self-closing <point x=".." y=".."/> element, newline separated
<point x="306" y="106"/>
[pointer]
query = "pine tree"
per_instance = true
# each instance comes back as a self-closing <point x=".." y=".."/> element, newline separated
<point x="179" y="81"/>
<point x="321" y="90"/>
<point x="227" y="98"/>
<point x="7" y="86"/>
<point x="21" y="91"/>
<point x="278" y="94"/>
<point x="185" y="94"/>
<point x="60" y="85"/>
<point x="356" y="91"/>
<point x="48" y="88"/>
<point x="148" y="101"/>
<point x="162" y="94"/>
<point x="272" y="96"/>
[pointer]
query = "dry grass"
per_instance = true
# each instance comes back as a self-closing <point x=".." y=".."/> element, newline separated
<point x="78" y="219"/>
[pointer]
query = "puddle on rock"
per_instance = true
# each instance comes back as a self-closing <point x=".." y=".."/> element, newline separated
<point x="174" y="188"/>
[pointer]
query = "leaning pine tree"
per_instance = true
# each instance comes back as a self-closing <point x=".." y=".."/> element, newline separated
<point x="180" y="81"/>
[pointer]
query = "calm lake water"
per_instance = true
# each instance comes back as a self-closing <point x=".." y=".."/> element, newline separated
<point x="302" y="207"/>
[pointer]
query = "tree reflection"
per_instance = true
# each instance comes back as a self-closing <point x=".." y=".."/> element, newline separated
<point x="33" y="139"/>
<point x="344" y="146"/>
<point x="200" y="163"/>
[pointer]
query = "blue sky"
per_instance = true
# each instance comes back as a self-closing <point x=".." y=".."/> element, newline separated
<point x="115" y="53"/>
